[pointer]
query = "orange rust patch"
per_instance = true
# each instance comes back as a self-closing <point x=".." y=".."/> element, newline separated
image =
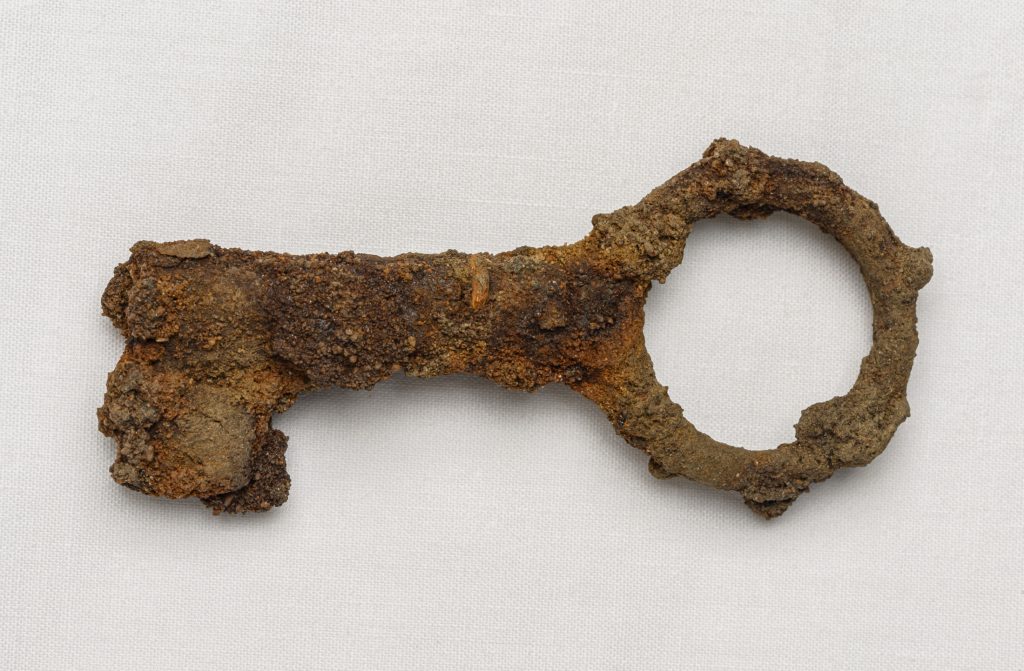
<point x="480" y="282"/>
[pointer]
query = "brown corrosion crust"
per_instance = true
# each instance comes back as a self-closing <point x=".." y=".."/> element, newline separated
<point x="220" y="339"/>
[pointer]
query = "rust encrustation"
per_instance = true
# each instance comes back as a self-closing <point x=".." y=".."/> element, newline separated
<point x="218" y="340"/>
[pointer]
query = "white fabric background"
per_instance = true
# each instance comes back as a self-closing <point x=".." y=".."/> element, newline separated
<point x="451" y="524"/>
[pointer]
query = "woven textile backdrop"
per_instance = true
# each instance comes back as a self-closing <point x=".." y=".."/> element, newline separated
<point x="452" y="524"/>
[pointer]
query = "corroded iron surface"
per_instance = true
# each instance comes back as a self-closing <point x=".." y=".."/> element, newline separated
<point x="218" y="340"/>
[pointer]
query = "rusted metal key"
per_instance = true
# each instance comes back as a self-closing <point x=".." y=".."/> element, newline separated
<point x="218" y="340"/>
